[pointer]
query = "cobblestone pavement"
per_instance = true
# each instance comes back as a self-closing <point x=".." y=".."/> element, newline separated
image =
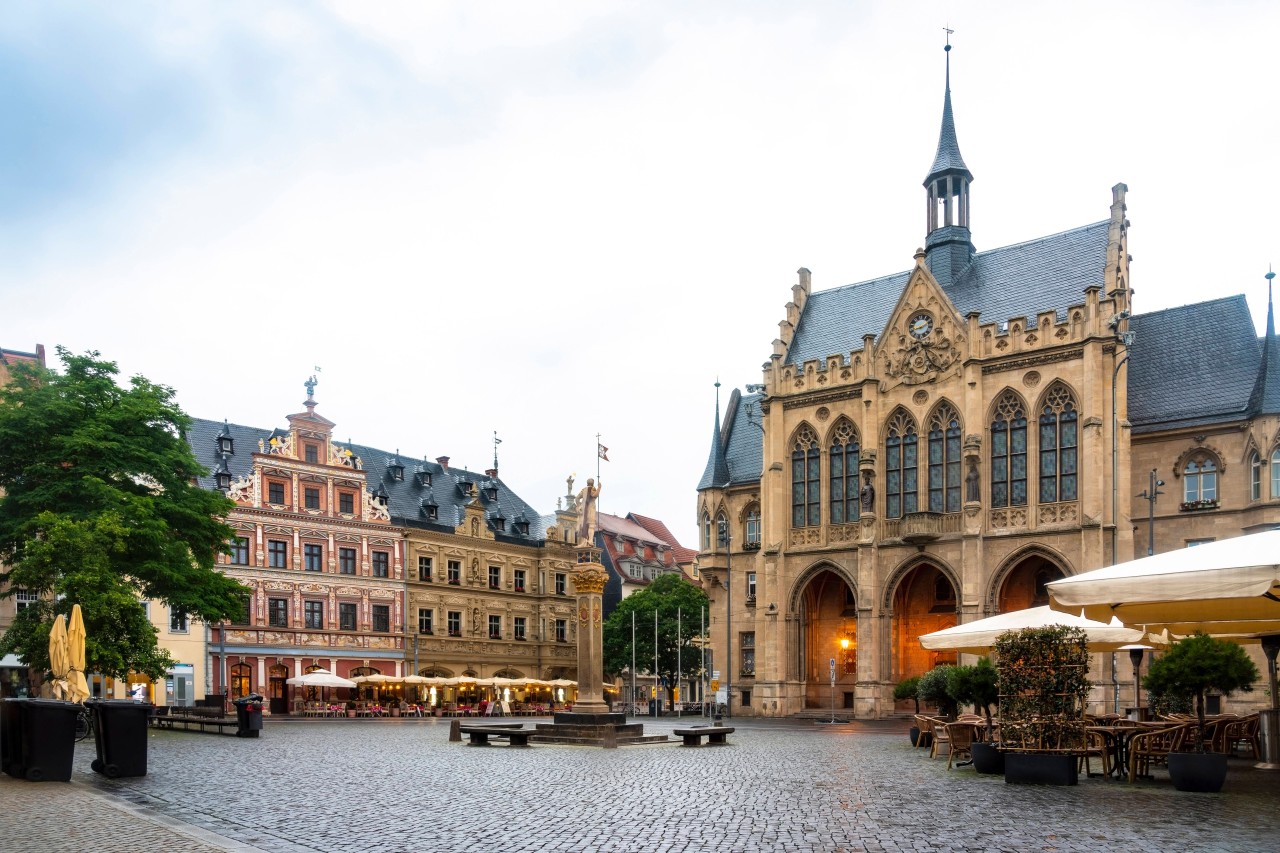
<point x="399" y="785"/>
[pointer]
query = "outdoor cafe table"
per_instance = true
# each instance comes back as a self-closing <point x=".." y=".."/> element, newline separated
<point x="1118" y="737"/>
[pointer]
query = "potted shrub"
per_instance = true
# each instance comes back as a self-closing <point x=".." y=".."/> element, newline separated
<point x="932" y="688"/>
<point x="906" y="689"/>
<point x="1191" y="668"/>
<point x="978" y="686"/>
<point x="1043" y="686"/>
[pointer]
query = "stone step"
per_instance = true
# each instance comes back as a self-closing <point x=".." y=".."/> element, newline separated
<point x="596" y="731"/>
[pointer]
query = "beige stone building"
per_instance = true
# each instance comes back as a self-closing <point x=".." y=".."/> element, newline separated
<point x="934" y="446"/>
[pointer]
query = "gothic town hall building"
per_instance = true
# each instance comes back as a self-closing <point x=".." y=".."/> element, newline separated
<point x="934" y="446"/>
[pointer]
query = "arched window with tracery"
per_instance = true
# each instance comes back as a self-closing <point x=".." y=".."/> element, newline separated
<point x="900" y="486"/>
<point x="944" y="459"/>
<point x="806" y="487"/>
<point x="1009" y="452"/>
<point x="1200" y="480"/>
<point x="751" y="522"/>
<point x="844" y="473"/>
<point x="1058" y="445"/>
<point x="1275" y="473"/>
<point x="706" y="531"/>
<point x="1255" y="476"/>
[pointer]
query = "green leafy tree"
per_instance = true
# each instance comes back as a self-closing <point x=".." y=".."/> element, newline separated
<point x="1197" y="664"/>
<point x="933" y="688"/>
<point x="101" y="508"/>
<point x="906" y="689"/>
<point x="976" y="685"/>
<point x="665" y="595"/>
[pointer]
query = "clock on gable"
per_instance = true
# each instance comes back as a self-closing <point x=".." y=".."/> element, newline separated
<point x="920" y="325"/>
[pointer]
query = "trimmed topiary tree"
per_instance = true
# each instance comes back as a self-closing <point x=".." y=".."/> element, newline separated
<point x="906" y="689"/>
<point x="976" y="685"/>
<point x="933" y="688"/>
<point x="1197" y="664"/>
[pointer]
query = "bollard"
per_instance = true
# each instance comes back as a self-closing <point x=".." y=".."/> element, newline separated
<point x="455" y="730"/>
<point x="610" y="738"/>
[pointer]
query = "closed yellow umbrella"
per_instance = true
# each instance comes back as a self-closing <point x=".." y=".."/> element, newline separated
<point x="59" y="656"/>
<point x="79" y="686"/>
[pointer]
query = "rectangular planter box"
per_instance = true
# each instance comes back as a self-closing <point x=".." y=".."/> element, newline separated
<point x="1030" y="768"/>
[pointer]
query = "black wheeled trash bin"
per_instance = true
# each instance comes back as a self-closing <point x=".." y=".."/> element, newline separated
<point x="248" y="715"/>
<point x="120" y="733"/>
<point x="38" y="739"/>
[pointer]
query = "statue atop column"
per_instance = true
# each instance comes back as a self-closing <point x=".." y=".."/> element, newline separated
<point x="588" y="514"/>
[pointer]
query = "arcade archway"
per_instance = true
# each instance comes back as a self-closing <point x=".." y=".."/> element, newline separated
<point x="1025" y="584"/>
<point x="924" y="601"/>
<point x="829" y="626"/>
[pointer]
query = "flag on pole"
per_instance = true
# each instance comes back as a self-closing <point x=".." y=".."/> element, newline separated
<point x="603" y="451"/>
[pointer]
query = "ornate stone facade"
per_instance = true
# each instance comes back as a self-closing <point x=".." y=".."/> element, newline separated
<point x="935" y="446"/>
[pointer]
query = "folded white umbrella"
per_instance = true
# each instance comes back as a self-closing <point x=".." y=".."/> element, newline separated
<point x="979" y="637"/>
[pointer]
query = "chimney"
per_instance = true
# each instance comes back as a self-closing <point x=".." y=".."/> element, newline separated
<point x="443" y="462"/>
<point x="491" y="473"/>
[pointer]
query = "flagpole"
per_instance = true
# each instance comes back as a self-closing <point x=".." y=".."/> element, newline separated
<point x="678" y="661"/>
<point x="632" y="703"/>
<point x="655" y="661"/>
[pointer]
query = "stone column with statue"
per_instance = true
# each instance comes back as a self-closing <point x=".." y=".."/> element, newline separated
<point x="589" y="578"/>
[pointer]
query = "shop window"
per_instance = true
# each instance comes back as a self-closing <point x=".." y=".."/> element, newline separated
<point x="241" y="680"/>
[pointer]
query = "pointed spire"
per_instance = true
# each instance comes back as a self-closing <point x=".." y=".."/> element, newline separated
<point x="1266" y="390"/>
<point x="716" y="474"/>
<point x="948" y="159"/>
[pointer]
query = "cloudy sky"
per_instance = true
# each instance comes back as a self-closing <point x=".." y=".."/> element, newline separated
<point x="552" y="220"/>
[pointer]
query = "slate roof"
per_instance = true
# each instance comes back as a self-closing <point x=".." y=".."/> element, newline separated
<point x="948" y="158"/>
<point x="1013" y="282"/>
<point x="741" y="442"/>
<point x="1195" y="365"/>
<point x="404" y="497"/>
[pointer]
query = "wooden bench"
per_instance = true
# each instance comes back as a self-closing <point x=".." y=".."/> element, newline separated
<point x="515" y="735"/>
<point x="715" y="735"/>
<point x="193" y="719"/>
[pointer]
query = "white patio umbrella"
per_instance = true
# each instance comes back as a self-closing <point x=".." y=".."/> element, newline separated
<point x="1224" y="588"/>
<point x="320" y="678"/>
<point x="979" y="637"/>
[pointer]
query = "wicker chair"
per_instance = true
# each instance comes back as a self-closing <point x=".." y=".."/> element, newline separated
<point x="1097" y="746"/>
<point x="1242" y="732"/>
<point x="1147" y="748"/>
<point x="941" y="738"/>
<point x="960" y="737"/>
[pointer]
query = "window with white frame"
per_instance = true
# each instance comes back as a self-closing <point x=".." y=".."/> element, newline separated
<point x="178" y="623"/>
<point x="1200" y="481"/>
<point x="751" y="585"/>
<point x="23" y="599"/>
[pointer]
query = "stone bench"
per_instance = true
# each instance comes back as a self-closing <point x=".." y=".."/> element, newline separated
<point x="515" y="735"/>
<point x="715" y="735"/>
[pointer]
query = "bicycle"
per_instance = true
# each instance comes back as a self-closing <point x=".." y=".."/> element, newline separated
<point x="84" y="724"/>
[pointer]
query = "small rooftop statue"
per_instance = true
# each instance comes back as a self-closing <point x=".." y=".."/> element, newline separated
<point x="589" y="517"/>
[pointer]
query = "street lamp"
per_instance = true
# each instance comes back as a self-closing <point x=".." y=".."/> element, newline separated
<point x="726" y="541"/>
<point x="1150" y="494"/>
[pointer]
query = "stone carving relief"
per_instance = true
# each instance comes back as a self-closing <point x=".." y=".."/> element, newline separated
<point x="243" y="490"/>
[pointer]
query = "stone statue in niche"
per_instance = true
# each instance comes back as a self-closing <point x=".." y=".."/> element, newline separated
<point x="868" y="494"/>
<point x="972" y="484"/>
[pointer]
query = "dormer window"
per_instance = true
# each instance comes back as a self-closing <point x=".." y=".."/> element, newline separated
<point x="424" y="478"/>
<point x="429" y="507"/>
<point x="520" y="525"/>
<point x="466" y="488"/>
<point x="226" y="444"/>
<point x="490" y="490"/>
<point x="380" y="495"/>
<point x="395" y="468"/>
<point x="499" y="521"/>
<point x="222" y="476"/>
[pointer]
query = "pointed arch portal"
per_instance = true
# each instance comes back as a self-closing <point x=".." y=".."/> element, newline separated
<point x="924" y="601"/>
<point x="829" y="629"/>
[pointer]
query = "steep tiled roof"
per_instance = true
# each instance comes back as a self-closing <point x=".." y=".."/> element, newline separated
<point x="1019" y="281"/>
<point x="662" y="532"/>
<point x="743" y="447"/>
<point x="404" y="496"/>
<point x="1192" y="365"/>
